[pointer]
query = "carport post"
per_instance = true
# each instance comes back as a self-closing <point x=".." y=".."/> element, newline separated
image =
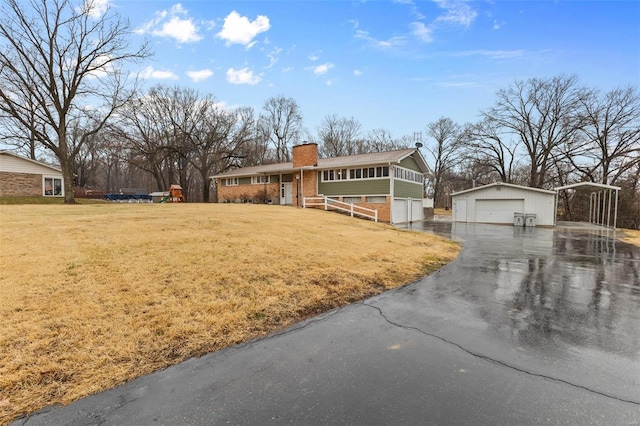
<point x="609" y="210"/>
<point x="615" y="212"/>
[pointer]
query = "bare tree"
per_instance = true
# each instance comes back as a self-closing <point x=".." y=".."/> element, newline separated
<point x="219" y="141"/>
<point x="542" y="115"/>
<point x="444" y="154"/>
<point x="282" y="120"/>
<point x="339" y="136"/>
<point x="63" y="57"/>
<point x="486" y="146"/>
<point x="607" y="144"/>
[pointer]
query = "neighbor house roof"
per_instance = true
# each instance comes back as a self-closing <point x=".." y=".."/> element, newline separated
<point x="39" y="163"/>
<point x="509" y="185"/>
<point x="334" y="162"/>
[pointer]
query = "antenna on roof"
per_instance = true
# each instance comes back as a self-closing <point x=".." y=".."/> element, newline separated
<point x="417" y="138"/>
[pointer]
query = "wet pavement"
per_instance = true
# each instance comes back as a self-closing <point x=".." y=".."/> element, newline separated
<point x="527" y="326"/>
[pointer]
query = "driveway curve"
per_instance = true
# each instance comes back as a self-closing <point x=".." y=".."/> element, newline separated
<point x="527" y="326"/>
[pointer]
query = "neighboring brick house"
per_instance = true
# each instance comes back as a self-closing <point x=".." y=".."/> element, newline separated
<point x="21" y="176"/>
<point x="390" y="182"/>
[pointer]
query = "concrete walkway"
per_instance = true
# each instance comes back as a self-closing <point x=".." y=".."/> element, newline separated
<point x="527" y="326"/>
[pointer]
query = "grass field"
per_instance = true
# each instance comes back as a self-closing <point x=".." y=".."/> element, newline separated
<point x="95" y="295"/>
<point x="631" y="237"/>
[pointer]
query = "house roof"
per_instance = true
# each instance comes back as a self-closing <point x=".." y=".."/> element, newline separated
<point x="502" y="184"/>
<point x="5" y="152"/>
<point x="588" y="186"/>
<point x="334" y="162"/>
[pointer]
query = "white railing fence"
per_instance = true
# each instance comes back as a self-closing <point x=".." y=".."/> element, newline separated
<point x="329" y="203"/>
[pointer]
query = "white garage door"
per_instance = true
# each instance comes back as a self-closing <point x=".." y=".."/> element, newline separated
<point x="400" y="210"/>
<point x="407" y="210"/>
<point x="416" y="211"/>
<point x="497" y="211"/>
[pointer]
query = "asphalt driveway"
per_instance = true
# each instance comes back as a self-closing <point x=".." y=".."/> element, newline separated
<point x="527" y="326"/>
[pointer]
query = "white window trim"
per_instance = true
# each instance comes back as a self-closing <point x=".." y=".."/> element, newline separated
<point x="348" y="174"/>
<point x="232" y="181"/>
<point x="54" y="178"/>
<point x="255" y="180"/>
<point x="407" y="171"/>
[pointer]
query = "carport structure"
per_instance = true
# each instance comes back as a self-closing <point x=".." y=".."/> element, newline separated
<point x="600" y="200"/>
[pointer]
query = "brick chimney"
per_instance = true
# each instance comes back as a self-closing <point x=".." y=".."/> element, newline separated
<point x="305" y="155"/>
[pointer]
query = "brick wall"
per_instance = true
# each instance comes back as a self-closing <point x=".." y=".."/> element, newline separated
<point x="384" y="209"/>
<point x="305" y="155"/>
<point x="239" y="192"/>
<point x="20" y="185"/>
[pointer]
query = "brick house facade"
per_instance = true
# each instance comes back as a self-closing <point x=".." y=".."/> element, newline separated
<point x="390" y="182"/>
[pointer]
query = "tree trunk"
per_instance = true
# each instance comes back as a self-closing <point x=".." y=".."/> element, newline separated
<point x="67" y="174"/>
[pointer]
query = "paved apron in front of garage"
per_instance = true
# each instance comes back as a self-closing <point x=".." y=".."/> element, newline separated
<point x="527" y="326"/>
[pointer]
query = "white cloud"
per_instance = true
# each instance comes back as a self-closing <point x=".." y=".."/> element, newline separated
<point x="182" y="30"/>
<point x="322" y="69"/>
<point x="381" y="44"/>
<point x="457" y="12"/>
<point x="357" y="73"/>
<point x="172" y="23"/>
<point x="239" y="30"/>
<point x="151" y="73"/>
<point x="96" y="8"/>
<point x="497" y="25"/>
<point x="243" y="76"/>
<point x="103" y="66"/>
<point x="287" y="69"/>
<point x="421" y="31"/>
<point x="313" y="57"/>
<point x="200" y="75"/>
<point x="273" y="56"/>
<point x="493" y="54"/>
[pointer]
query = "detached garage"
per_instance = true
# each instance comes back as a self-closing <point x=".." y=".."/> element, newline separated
<point x="499" y="203"/>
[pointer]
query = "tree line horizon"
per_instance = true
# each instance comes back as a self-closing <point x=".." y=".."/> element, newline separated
<point x="58" y="57"/>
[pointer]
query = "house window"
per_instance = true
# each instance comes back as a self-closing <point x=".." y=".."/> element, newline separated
<point x="353" y="174"/>
<point x="259" y="179"/>
<point x="231" y="182"/>
<point x="52" y="187"/>
<point x="377" y="199"/>
<point x="352" y="200"/>
<point x="406" y="174"/>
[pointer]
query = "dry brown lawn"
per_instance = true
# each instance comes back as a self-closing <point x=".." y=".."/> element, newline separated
<point x="95" y="295"/>
<point x="631" y="236"/>
<point x="442" y="212"/>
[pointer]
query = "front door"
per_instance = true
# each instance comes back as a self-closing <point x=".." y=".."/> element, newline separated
<point x="286" y="193"/>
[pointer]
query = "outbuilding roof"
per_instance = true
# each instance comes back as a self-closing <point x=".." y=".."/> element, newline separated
<point x="589" y="186"/>
<point x="502" y="184"/>
<point x="334" y="162"/>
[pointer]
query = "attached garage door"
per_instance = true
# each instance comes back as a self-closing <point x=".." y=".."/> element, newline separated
<point x="407" y="210"/>
<point x="400" y="210"/>
<point x="497" y="211"/>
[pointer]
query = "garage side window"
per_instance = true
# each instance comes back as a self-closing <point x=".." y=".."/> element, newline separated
<point x="52" y="187"/>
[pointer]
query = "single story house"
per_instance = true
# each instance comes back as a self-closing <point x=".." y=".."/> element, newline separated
<point x="504" y="203"/>
<point x="21" y="176"/>
<point x="390" y="183"/>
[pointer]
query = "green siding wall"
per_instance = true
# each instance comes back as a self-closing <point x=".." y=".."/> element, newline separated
<point x="244" y="181"/>
<point x="354" y="187"/>
<point x="410" y="163"/>
<point x="404" y="189"/>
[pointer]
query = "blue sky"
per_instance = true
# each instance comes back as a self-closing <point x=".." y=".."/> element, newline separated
<point x="396" y="65"/>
